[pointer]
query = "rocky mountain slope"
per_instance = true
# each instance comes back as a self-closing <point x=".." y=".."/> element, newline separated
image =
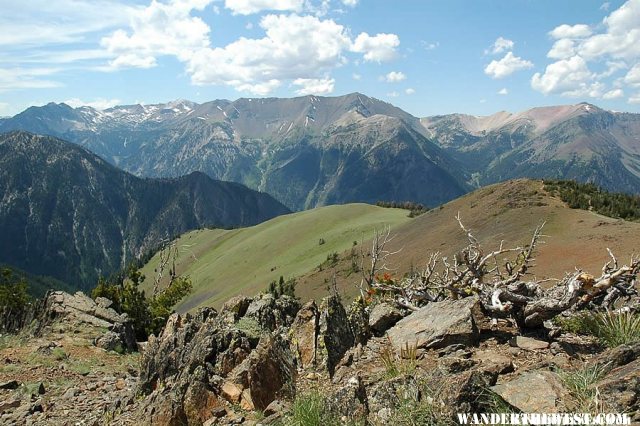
<point x="305" y="151"/>
<point x="581" y="142"/>
<point x="66" y="213"/>
<point x="267" y="361"/>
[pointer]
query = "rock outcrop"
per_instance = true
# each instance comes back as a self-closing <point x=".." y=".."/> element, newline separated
<point x="438" y="325"/>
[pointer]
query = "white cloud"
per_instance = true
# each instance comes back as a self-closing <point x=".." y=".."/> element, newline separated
<point x="612" y="68"/>
<point x="394" y="77"/>
<point x="634" y="99"/>
<point x="621" y="40"/>
<point x="503" y="91"/>
<point x="430" y="45"/>
<point x="500" y="45"/>
<point x="350" y="3"/>
<point x="564" y="76"/>
<point x="393" y="94"/>
<point x="99" y="103"/>
<point x="410" y="91"/>
<point x="295" y="47"/>
<point x="378" y="48"/>
<point x="249" y="26"/>
<point x="617" y="45"/>
<point x="633" y="76"/>
<point x="605" y="6"/>
<point x="613" y="94"/>
<point x="562" y="49"/>
<point x="506" y="66"/>
<point x="314" y="86"/>
<point x="44" y="22"/>
<point x="27" y="78"/>
<point x="160" y="29"/>
<point x="248" y="7"/>
<point x="356" y="76"/>
<point x="570" y="31"/>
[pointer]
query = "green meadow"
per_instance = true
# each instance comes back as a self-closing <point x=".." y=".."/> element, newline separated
<point x="224" y="263"/>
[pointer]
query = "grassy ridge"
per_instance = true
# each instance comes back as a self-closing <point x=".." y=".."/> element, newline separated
<point x="223" y="263"/>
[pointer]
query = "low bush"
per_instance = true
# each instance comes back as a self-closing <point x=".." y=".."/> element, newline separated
<point x="611" y="328"/>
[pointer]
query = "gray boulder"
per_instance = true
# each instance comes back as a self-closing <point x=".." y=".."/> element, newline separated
<point x="383" y="316"/>
<point x="438" y="325"/>
<point x="534" y="392"/>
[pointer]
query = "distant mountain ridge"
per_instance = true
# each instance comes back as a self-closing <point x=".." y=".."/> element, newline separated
<point x="305" y="151"/>
<point x="581" y="142"/>
<point x="66" y="213"/>
<point x="310" y="151"/>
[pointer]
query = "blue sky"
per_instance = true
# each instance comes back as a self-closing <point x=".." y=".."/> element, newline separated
<point x="428" y="57"/>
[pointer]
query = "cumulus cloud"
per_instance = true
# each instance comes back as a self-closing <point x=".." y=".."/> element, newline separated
<point x="633" y="76"/>
<point x="562" y="49"/>
<point x="248" y="7"/>
<point x="314" y="86"/>
<point x="295" y="47"/>
<point x="506" y="66"/>
<point x="160" y="29"/>
<point x="378" y="48"/>
<point x="99" y="103"/>
<point x="410" y="91"/>
<point x="568" y="76"/>
<point x="500" y="45"/>
<point x="350" y="3"/>
<point x="616" y="45"/>
<point x="394" y="77"/>
<point x="301" y="49"/>
<point x="570" y="31"/>
<point x="503" y="91"/>
<point x="613" y="94"/>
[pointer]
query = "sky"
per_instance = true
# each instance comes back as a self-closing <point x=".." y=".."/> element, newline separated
<point x="428" y="57"/>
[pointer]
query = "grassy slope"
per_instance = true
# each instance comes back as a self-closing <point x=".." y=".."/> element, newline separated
<point x="508" y="211"/>
<point x="224" y="263"/>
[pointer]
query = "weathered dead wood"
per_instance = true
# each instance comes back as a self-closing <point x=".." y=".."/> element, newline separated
<point x="502" y="288"/>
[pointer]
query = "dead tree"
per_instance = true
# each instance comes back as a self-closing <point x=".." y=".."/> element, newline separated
<point x="502" y="288"/>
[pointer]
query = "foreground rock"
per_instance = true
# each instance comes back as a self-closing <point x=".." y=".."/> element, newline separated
<point x="438" y="325"/>
<point x="201" y="363"/>
<point x="534" y="392"/>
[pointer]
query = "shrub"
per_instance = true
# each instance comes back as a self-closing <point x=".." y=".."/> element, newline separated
<point x="147" y="315"/>
<point x="581" y="383"/>
<point x="282" y="287"/>
<point x="590" y="197"/>
<point x="612" y="329"/>
<point x="13" y="292"/>
<point x="309" y="409"/>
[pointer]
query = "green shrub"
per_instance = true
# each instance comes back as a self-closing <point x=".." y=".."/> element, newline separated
<point x="13" y="291"/>
<point x="612" y="329"/>
<point x="590" y="197"/>
<point x="147" y="315"/>
<point x="283" y="288"/>
<point x="581" y="383"/>
<point x="310" y="409"/>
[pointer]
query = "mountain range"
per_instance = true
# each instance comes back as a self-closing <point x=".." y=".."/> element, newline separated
<point x="580" y="142"/>
<point x="68" y="214"/>
<point x="305" y="151"/>
<point x="311" y="151"/>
